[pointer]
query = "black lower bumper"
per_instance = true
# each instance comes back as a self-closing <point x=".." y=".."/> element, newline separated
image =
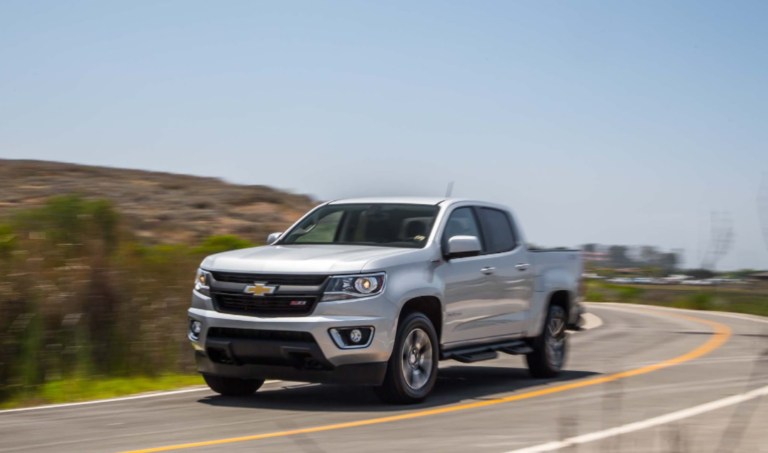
<point x="291" y="361"/>
<point x="357" y="374"/>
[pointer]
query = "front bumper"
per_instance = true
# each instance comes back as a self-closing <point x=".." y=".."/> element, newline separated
<point x="309" y="358"/>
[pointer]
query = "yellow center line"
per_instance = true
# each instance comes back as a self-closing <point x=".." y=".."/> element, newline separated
<point x="721" y="334"/>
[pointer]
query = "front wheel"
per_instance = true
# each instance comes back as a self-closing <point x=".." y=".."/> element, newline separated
<point x="229" y="386"/>
<point x="550" y="348"/>
<point x="412" y="368"/>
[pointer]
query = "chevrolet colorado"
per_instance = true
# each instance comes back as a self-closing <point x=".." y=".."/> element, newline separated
<point x="376" y="292"/>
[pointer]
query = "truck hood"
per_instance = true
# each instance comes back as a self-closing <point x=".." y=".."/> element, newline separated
<point x="302" y="258"/>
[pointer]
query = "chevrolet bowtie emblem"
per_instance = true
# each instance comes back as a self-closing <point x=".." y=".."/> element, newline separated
<point x="259" y="289"/>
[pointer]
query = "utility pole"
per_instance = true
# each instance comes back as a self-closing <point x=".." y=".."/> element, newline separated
<point x="721" y="239"/>
<point x="762" y="207"/>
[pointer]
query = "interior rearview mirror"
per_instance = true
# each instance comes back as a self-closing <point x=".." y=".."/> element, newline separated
<point x="463" y="246"/>
<point x="273" y="237"/>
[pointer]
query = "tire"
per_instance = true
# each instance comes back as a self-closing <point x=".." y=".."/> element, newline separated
<point x="228" y="386"/>
<point x="412" y="368"/>
<point x="550" y="348"/>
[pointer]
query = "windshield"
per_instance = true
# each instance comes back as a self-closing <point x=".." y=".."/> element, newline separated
<point x="388" y="225"/>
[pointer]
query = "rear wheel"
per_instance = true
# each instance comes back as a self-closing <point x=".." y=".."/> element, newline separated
<point x="550" y="348"/>
<point x="412" y="368"/>
<point x="229" y="386"/>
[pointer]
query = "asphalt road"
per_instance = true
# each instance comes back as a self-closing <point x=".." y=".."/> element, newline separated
<point x="640" y="382"/>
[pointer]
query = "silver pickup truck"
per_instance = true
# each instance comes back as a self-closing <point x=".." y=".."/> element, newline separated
<point x="376" y="292"/>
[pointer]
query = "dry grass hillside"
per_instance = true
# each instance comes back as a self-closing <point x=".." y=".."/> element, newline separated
<point x="157" y="207"/>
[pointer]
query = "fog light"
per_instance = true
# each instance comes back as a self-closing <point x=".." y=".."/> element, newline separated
<point x="195" y="327"/>
<point x="352" y="337"/>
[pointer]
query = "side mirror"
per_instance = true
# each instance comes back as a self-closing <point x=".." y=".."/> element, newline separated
<point x="273" y="237"/>
<point x="463" y="246"/>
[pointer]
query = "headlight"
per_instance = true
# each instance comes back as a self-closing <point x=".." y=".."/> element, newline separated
<point x="203" y="282"/>
<point x="354" y="286"/>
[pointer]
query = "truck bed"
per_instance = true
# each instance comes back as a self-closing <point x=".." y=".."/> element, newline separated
<point x="558" y="264"/>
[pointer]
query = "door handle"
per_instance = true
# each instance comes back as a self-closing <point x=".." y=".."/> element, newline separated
<point x="488" y="270"/>
<point x="522" y="267"/>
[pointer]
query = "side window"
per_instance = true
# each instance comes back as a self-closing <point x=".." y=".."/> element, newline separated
<point x="498" y="230"/>
<point x="462" y="222"/>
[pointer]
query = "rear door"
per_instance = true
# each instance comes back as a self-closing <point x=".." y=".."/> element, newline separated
<point x="510" y="268"/>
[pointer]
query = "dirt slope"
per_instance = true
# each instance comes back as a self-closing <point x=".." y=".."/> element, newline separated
<point x="159" y="207"/>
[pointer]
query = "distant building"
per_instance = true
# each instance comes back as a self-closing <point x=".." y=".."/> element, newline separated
<point x="595" y="257"/>
<point x="626" y="257"/>
<point x="629" y="270"/>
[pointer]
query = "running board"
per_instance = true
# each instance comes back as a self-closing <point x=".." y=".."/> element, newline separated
<point x="476" y="357"/>
<point x="486" y="352"/>
<point x="517" y="350"/>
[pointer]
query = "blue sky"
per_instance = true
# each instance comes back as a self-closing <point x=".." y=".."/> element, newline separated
<point x="613" y="122"/>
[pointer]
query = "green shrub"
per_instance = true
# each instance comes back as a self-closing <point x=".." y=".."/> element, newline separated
<point x="105" y="221"/>
<point x="225" y="243"/>
<point x="697" y="301"/>
<point x="7" y="241"/>
<point x="628" y="293"/>
<point x="595" y="296"/>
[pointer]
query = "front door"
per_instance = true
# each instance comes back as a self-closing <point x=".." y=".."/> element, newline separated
<point x="471" y="292"/>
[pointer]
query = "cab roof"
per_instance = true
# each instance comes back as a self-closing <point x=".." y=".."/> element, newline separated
<point x="391" y="200"/>
<point x="434" y="201"/>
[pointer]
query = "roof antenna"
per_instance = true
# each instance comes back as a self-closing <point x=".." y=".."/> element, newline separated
<point x="450" y="190"/>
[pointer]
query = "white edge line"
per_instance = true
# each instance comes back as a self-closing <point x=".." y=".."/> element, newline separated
<point x="591" y="321"/>
<point x="644" y="424"/>
<point x="114" y="400"/>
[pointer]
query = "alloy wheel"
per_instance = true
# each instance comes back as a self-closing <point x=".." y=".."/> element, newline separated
<point x="416" y="357"/>
<point x="554" y="337"/>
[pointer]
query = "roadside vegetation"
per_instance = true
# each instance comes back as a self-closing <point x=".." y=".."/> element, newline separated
<point x="753" y="300"/>
<point x="87" y="310"/>
<point x="85" y="389"/>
